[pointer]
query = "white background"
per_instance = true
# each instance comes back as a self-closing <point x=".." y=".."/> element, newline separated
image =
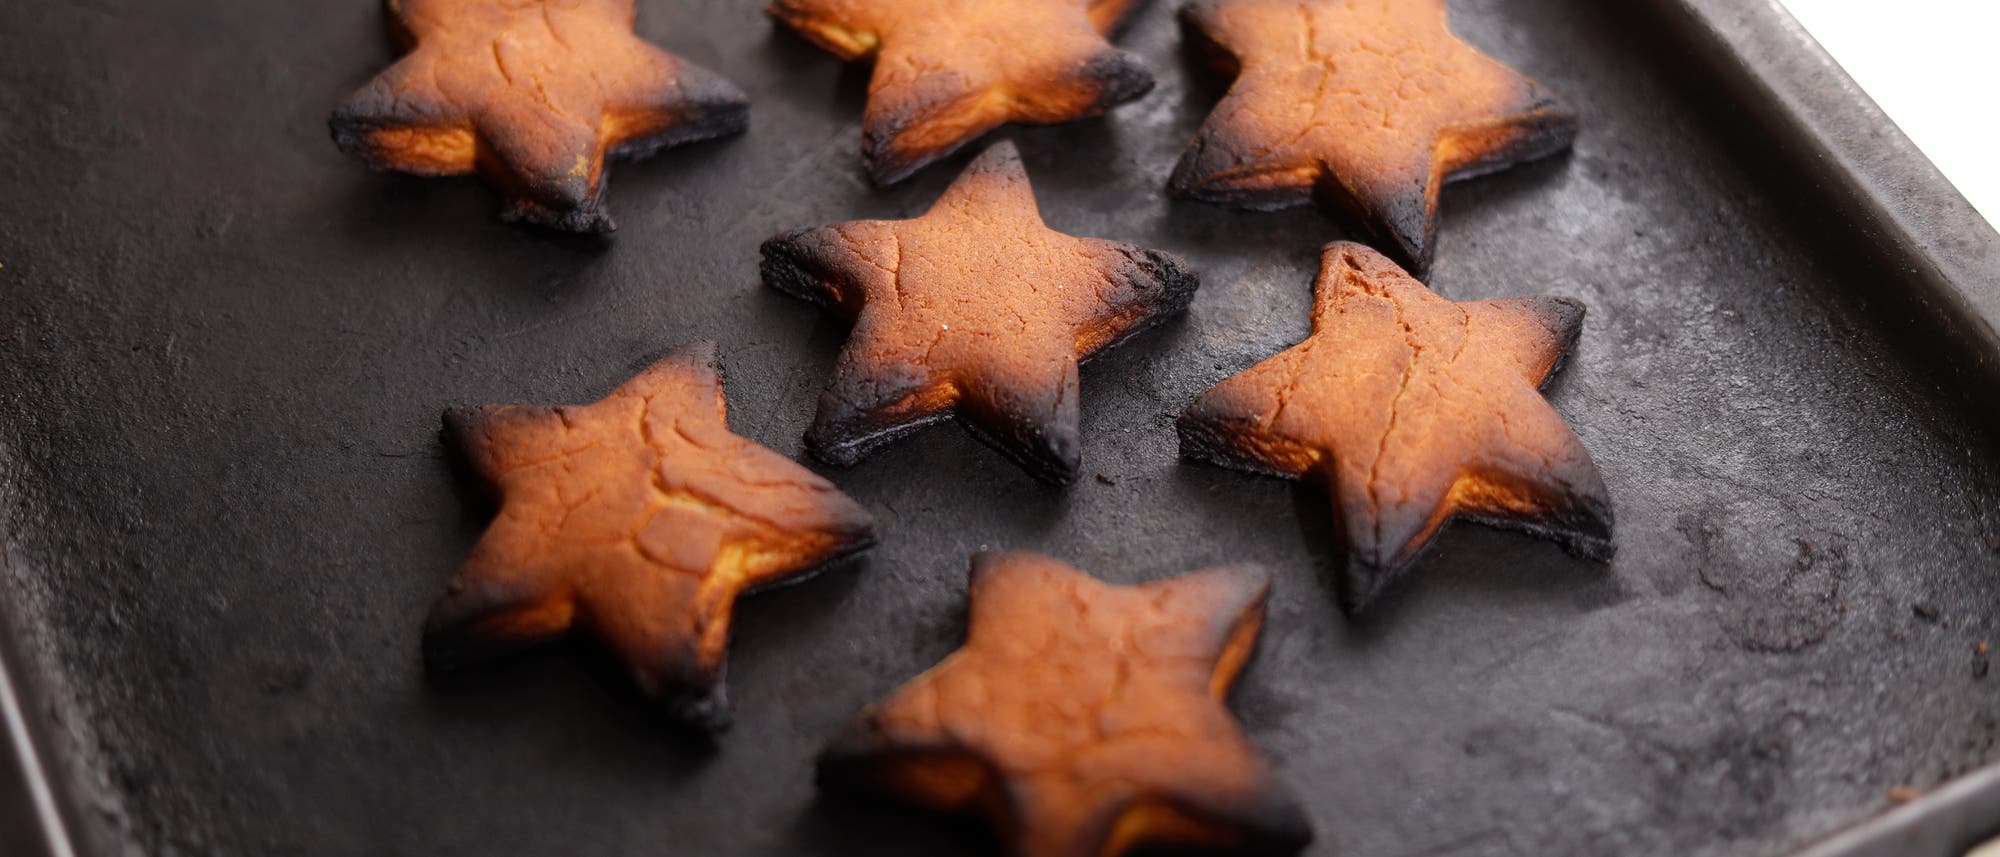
<point x="1934" y="67"/>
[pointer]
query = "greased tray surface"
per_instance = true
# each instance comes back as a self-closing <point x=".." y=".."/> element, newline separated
<point x="227" y="505"/>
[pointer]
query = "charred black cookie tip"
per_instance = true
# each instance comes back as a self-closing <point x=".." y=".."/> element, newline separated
<point x="858" y="536"/>
<point x="839" y="445"/>
<point x="1194" y="173"/>
<point x="720" y="119"/>
<point x="1050" y="452"/>
<point x="710" y="106"/>
<point x="1588" y="531"/>
<point x="707" y="91"/>
<point x="350" y="134"/>
<point x="853" y="529"/>
<point x="1181" y="183"/>
<point x="886" y="165"/>
<point x="844" y="432"/>
<point x="785" y="249"/>
<point x="353" y="132"/>
<point x="1210" y="170"/>
<point x="706" y="106"/>
<point x="698" y="127"/>
<point x="1551" y="109"/>
<point x="590" y="219"/>
<point x="796" y="263"/>
<point x="1548" y="131"/>
<point x="1198" y="438"/>
<point x="1174" y="279"/>
<point x="1060" y="457"/>
<point x="1566" y="318"/>
<point x="1366" y="573"/>
<point x="1122" y="77"/>
<point x="1208" y="431"/>
<point x="1406" y="238"/>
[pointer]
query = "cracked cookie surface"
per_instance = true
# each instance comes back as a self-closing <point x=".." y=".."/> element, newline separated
<point x="1366" y="106"/>
<point x="533" y="95"/>
<point x="1414" y="410"/>
<point x="1084" y="719"/>
<point x="976" y="309"/>
<point x="638" y="519"/>
<point x="948" y="71"/>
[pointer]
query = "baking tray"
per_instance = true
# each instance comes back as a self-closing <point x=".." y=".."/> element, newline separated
<point x="227" y="505"/>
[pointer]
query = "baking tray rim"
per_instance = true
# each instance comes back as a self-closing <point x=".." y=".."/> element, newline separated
<point x="26" y="747"/>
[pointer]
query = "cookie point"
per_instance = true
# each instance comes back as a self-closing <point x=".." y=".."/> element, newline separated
<point x="1589" y="533"/>
<point x="587" y="220"/>
<point x="886" y="167"/>
<point x="1176" y="278"/>
<point x="835" y="450"/>
<point x="1569" y="311"/>
<point x="1191" y="175"/>
<point x="1124" y="75"/>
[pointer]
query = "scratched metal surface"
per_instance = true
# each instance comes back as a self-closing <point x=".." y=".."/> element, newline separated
<point x="224" y="349"/>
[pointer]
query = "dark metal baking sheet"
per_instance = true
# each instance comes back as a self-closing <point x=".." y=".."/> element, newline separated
<point x="1959" y="817"/>
<point x="226" y="505"/>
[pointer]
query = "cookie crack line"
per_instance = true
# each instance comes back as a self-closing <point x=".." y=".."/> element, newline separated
<point x="1057" y="772"/>
<point x="968" y="336"/>
<point x="942" y="81"/>
<point x="747" y="517"/>
<point x="1266" y="144"/>
<point x="1342" y="404"/>
<point x="1416" y="355"/>
<point x="481" y="92"/>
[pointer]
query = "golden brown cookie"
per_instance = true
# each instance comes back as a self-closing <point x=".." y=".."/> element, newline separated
<point x="1083" y="719"/>
<point x="533" y="95"/>
<point x="1414" y="410"/>
<point x="1367" y="106"/>
<point x="975" y="309"/>
<point x="948" y="71"/>
<point x="637" y="519"/>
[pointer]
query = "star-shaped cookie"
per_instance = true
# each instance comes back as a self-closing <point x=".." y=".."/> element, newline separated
<point x="1083" y="719"/>
<point x="638" y="519"/>
<point x="1414" y="410"/>
<point x="948" y="71"/>
<point x="533" y="95"/>
<point x="1367" y="106"/>
<point x="975" y="309"/>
